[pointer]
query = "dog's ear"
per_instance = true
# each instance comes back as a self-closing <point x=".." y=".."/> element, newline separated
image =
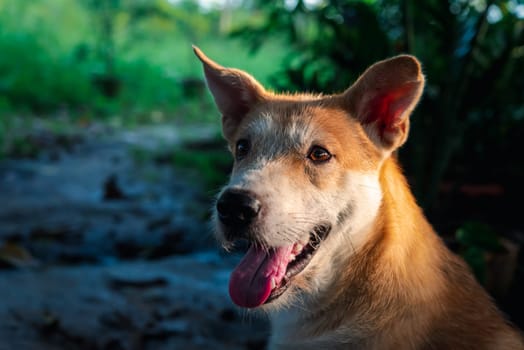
<point x="235" y="92"/>
<point x="383" y="98"/>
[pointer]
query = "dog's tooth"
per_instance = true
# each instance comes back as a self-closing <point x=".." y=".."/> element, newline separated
<point x="273" y="283"/>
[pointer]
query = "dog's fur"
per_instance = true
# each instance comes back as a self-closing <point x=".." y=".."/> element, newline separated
<point x="382" y="279"/>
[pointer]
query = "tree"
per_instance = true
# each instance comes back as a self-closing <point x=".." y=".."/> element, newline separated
<point x="471" y="53"/>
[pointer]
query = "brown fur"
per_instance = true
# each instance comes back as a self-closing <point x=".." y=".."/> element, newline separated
<point x="401" y="288"/>
<point x="405" y="290"/>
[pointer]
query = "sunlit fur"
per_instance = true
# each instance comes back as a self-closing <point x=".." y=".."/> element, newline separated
<point x="382" y="279"/>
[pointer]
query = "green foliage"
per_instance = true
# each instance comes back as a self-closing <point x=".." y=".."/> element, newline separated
<point x="477" y="239"/>
<point x="480" y="235"/>
<point x="36" y="69"/>
<point x="29" y="137"/>
<point x="471" y="53"/>
<point x="207" y="161"/>
<point x="329" y="48"/>
<point x="122" y="61"/>
<point x="107" y="58"/>
<point x="210" y="164"/>
<point x="130" y="61"/>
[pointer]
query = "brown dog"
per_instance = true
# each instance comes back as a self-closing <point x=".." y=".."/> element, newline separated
<point x="341" y="256"/>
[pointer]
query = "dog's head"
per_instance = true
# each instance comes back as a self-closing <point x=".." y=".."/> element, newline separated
<point x="304" y="188"/>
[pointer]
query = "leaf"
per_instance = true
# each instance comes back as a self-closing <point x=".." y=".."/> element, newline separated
<point x="17" y="256"/>
<point x="479" y="235"/>
<point x="476" y="260"/>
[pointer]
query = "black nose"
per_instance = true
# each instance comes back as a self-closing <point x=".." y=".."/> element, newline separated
<point x="237" y="208"/>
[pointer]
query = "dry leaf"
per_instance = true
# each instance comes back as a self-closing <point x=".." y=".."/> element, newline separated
<point x="17" y="256"/>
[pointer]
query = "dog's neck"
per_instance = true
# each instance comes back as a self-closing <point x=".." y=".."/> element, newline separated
<point x="366" y="285"/>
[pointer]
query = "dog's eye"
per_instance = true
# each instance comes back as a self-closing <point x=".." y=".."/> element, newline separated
<point x="242" y="148"/>
<point x="318" y="154"/>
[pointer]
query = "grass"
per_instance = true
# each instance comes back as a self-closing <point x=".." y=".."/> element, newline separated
<point x="28" y="136"/>
<point x="210" y="166"/>
<point x="48" y="66"/>
<point x="151" y="60"/>
<point x="146" y="98"/>
<point x="207" y="160"/>
<point x="151" y="92"/>
<point x="206" y="163"/>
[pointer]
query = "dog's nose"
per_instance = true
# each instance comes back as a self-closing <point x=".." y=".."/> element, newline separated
<point x="237" y="208"/>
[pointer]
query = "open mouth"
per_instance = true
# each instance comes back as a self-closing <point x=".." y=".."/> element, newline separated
<point x="264" y="275"/>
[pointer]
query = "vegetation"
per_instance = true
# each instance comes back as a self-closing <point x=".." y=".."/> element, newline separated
<point x="206" y="161"/>
<point x="477" y="239"/>
<point x="130" y="61"/>
<point x="105" y="58"/>
<point x="472" y="52"/>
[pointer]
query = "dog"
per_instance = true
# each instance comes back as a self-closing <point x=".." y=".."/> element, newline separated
<point x="340" y="256"/>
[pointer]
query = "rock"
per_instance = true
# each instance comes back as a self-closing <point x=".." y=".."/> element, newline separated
<point x="112" y="190"/>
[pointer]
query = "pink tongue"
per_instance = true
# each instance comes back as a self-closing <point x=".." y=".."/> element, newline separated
<point x="250" y="283"/>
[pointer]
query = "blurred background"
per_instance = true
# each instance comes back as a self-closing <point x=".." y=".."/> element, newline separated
<point x="111" y="154"/>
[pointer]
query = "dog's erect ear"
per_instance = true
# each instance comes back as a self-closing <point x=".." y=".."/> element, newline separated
<point x="383" y="98"/>
<point x="235" y="92"/>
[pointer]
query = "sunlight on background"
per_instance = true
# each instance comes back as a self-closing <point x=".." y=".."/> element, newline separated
<point x="220" y="4"/>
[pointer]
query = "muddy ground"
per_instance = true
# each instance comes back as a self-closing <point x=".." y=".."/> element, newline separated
<point x="102" y="246"/>
<point x="101" y="251"/>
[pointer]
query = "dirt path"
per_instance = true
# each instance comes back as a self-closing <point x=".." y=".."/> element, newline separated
<point x="98" y="251"/>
